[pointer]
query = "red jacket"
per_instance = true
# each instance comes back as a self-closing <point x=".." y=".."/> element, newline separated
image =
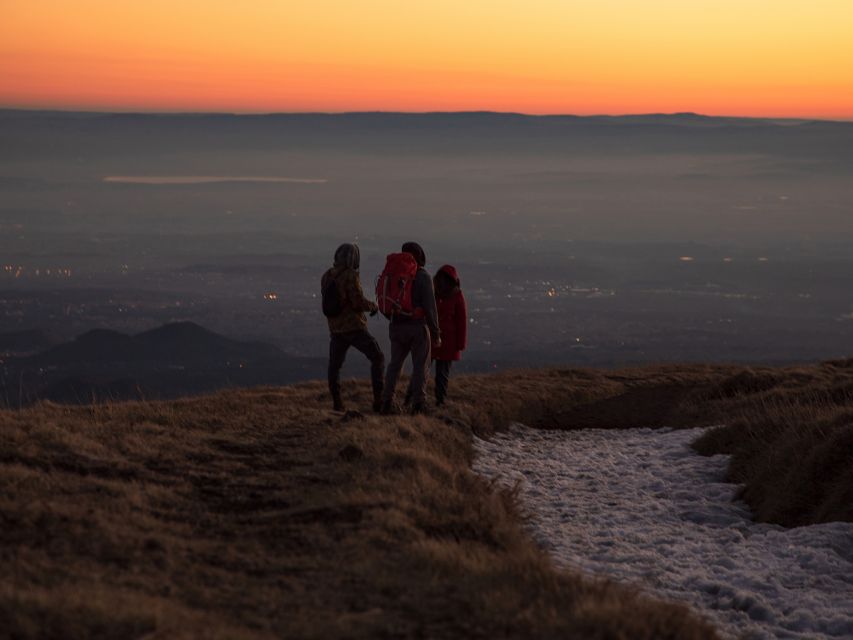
<point x="452" y="319"/>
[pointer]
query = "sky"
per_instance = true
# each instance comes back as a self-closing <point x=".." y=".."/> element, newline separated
<point x="776" y="58"/>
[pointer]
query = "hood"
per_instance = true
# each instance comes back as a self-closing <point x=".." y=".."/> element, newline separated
<point x="450" y="271"/>
<point x="348" y="256"/>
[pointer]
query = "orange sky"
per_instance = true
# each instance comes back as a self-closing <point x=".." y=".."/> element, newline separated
<point x="735" y="57"/>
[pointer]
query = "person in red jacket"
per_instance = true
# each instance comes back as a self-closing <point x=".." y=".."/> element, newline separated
<point x="453" y="322"/>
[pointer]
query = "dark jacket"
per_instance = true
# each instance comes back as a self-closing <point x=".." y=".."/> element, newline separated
<point x="452" y="315"/>
<point x="423" y="302"/>
<point x="353" y="302"/>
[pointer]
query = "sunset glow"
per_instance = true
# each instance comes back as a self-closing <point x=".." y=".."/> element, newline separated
<point x="725" y="57"/>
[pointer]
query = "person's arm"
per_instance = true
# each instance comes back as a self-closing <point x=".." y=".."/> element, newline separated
<point x="355" y="294"/>
<point x="428" y="304"/>
<point x="461" y="318"/>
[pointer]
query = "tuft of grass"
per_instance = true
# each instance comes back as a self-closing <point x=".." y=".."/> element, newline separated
<point x="788" y="429"/>
<point x="262" y="514"/>
<point x="791" y="441"/>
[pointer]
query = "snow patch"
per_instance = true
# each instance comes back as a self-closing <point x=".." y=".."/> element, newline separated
<point x="640" y="506"/>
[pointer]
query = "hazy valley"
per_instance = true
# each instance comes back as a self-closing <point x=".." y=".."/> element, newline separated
<point x="599" y="241"/>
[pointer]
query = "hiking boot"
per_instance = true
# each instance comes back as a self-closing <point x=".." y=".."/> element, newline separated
<point x="338" y="404"/>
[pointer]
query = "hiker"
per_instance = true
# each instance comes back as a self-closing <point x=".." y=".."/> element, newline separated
<point x="412" y="331"/>
<point x="344" y="306"/>
<point x="453" y="322"/>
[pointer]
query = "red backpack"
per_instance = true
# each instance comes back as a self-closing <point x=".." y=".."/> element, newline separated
<point x="394" y="286"/>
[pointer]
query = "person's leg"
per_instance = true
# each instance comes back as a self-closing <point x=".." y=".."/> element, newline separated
<point x="400" y="347"/>
<point x="367" y="344"/>
<point x="420" y="366"/>
<point x="408" y="398"/>
<point x="442" y="379"/>
<point x="338" y="346"/>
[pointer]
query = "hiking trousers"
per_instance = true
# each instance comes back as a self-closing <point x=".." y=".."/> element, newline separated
<point x="442" y="379"/>
<point x="406" y="338"/>
<point x="364" y="342"/>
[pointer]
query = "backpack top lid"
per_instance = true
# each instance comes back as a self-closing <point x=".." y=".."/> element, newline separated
<point x="394" y="286"/>
<point x="403" y="260"/>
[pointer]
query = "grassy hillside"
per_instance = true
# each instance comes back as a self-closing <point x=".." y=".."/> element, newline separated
<point x="789" y="430"/>
<point x="790" y="434"/>
<point x="256" y="514"/>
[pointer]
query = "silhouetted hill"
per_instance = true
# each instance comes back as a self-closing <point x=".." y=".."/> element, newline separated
<point x="174" y="360"/>
<point x="25" y="342"/>
<point x="177" y="343"/>
<point x="187" y="341"/>
<point x="98" y="345"/>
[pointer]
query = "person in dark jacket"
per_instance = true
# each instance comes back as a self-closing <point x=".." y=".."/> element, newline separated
<point x="413" y="334"/>
<point x="453" y="322"/>
<point x="349" y="327"/>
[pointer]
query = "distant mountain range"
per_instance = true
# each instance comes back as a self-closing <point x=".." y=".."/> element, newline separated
<point x="57" y="133"/>
<point x="174" y="360"/>
<point x="683" y="118"/>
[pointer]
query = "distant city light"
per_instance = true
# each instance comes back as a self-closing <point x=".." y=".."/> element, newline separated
<point x="17" y="271"/>
<point x="686" y="258"/>
<point x="271" y="296"/>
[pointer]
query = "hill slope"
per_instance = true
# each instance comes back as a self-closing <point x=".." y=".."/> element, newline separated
<point x="260" y="514"/>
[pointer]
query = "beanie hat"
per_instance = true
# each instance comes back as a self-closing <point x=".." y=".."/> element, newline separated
<point x="417" y="251"/>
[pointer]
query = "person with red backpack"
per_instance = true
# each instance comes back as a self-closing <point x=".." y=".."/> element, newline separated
<point x="453" y="321"/>
<point x="344" y="306"/>
<point x="405" y="294"/>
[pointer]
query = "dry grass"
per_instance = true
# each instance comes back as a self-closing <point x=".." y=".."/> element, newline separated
<point x="790" y="432"/>
<point x="580" y="398"/>
<point x="258" y="514"/>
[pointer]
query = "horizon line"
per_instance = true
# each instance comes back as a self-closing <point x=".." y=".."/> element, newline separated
<point x="178" y="112"/>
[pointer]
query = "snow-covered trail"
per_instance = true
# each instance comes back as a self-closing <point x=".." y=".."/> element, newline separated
<point x="640" y="506"/>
